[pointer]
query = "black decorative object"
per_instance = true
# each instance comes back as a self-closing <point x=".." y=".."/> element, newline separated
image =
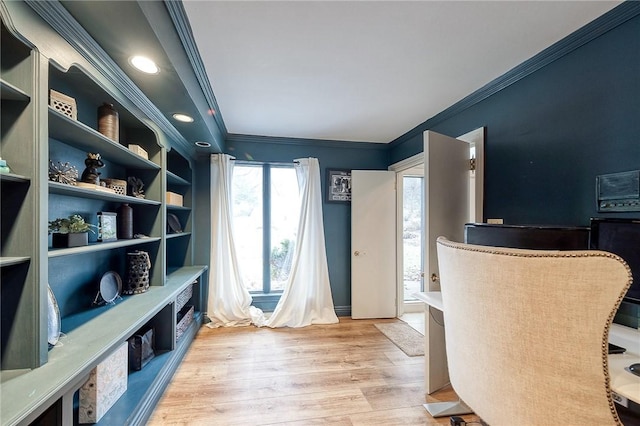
<point x="138" y="272"/>
<point x="125" y="222"/>
<point x="90" y="173"/>
<point x="136" y="186"/>
<point x="72" y="239"/>
<point x="141" y="349"/>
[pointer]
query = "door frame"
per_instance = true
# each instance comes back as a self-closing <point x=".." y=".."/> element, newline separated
<point x="399" y="168"/>
<point x="476" y="139"/>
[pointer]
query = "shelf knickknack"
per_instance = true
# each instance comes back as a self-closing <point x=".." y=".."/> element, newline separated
<point x="107" y="226"/>
<point x="70" y="232"/>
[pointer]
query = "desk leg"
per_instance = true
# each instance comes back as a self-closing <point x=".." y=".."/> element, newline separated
<point x="444" y="409"/>
<point x="436" y="369"/>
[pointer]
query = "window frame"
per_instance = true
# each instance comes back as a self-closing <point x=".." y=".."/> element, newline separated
<point x="266" y="221"/>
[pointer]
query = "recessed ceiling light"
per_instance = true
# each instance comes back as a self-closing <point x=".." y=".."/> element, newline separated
<point x="144" y="64"/>
<point x="183" y="117"/>
<point x="202" y="144"/>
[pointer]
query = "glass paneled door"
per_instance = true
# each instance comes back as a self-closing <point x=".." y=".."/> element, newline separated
<point x="412" y="232"/>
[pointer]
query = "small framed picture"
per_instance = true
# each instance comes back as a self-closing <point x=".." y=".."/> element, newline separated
<point x="107" y="226"/>
<point x="338" y="186"/>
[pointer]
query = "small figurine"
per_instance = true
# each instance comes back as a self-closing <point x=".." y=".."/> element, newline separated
<point x="135" y="186"/>
<point x="93" y="163"/>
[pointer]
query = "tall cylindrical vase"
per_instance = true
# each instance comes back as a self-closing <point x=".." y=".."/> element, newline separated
<point x="108" y="122"/>
<point x="125" y="222"/>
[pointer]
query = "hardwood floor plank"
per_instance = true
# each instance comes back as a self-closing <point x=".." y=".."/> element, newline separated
<point x="342" y="374"/>
<point x="406" y="416"/>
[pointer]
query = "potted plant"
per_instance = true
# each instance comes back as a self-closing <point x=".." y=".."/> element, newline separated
<point x="70" y="232"/>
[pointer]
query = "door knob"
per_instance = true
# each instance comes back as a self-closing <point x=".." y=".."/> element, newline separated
<point x="434" y="278"/>
<point x="356" y="253"/>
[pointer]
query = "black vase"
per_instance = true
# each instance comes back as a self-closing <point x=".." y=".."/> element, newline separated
<point x="125" y="222"/>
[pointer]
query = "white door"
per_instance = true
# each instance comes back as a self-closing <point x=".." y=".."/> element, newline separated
<point x="373" y="244"/>
<point x="446" y="173"/>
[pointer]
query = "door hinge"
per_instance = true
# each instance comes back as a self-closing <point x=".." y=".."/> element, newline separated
<point x="472" y="164"/>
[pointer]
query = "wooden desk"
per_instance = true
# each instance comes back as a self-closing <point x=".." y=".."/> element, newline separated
<point x="624" y="384"/>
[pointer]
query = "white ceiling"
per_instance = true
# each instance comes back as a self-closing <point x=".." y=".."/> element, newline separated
<point x="365" y="70"/>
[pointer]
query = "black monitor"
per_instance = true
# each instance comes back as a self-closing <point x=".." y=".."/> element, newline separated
<point x="528" y="236"/>
<point x="621" y="237"/>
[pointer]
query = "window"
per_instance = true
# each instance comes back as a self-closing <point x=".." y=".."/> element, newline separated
<point x="265" y="222"/>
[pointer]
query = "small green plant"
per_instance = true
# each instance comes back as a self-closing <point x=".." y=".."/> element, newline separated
<point x="73" y="224"/>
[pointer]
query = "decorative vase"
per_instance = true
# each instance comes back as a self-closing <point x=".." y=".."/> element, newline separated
<point x="138" y="272"/>
<point x="108" y="122"/>
<point x="125" y="222"/>
<point x="73" y="239"/>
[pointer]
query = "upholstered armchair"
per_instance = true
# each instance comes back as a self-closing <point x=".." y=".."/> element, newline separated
<point x="527" y="332"/>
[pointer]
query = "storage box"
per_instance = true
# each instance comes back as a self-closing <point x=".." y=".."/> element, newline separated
<point x="106" y="384"/>
<point x="118" y="186"/>
<point x="174" y="199"/>
<point x="139" y="150"/>
<point x="141" y="350"/>
<point x="185" y="318"/>
<point x="63" y="104"/>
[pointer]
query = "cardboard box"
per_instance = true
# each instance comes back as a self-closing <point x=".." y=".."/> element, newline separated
<point x="174" y="199"/>
<point x="106" y="384"/>
<point x="139" y="150"/>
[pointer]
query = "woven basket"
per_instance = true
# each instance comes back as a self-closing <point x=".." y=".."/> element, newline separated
<point x="184" y="297"/>
<point x="185" y="318"/>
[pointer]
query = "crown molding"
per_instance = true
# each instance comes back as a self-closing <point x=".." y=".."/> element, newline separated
<point x="575" y="40"/>
<point x="181" y="23"/>
<point x="277" y="140"/>
<point x="73" y="33"/>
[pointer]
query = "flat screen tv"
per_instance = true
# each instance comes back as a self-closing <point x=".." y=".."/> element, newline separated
<point x="528" y="236"/>
<point x="621" y="237"/>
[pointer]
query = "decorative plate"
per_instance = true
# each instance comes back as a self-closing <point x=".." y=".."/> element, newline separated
<point x="173" y="224"/>
<point x="53" y="322"/>
<point x="110" y="286"/>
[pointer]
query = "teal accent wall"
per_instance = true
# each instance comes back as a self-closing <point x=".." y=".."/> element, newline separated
<point x="550" y="133"/>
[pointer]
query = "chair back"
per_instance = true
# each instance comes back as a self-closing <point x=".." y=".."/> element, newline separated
<point x="527" y="331"/>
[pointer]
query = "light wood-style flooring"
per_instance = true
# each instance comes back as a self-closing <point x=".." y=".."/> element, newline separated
<point x="342" y="374"/>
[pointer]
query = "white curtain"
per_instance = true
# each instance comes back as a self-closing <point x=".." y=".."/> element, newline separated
<point x="229" y="302"/>
<point x="307" y="296"/>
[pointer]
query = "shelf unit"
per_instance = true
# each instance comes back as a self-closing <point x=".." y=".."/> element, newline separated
<point x="20" y="208"/>
<point x="39" y="382"/>
<point x="179" y="177"/>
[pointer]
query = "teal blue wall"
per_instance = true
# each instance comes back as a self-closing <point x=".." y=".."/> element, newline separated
<point x="552" y="132"/>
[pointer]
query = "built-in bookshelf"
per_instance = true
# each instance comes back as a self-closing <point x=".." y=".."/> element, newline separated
<point x="40" y="381"/>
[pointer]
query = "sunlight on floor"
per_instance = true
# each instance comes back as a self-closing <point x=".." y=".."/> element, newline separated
<point x="415" y="320"/>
